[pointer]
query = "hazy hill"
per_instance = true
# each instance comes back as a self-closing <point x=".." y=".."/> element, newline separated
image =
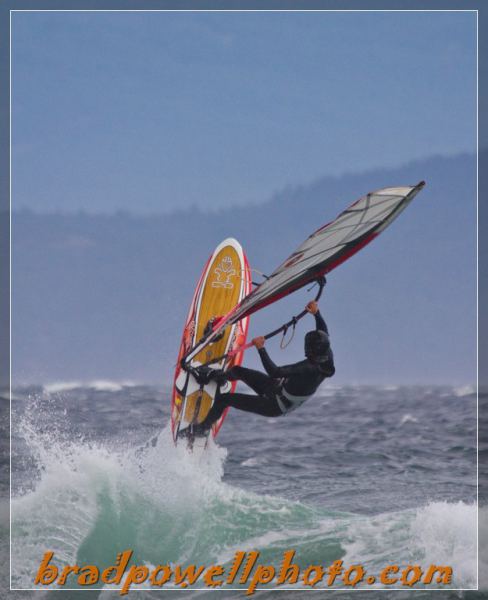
<point x="106" y="296"/>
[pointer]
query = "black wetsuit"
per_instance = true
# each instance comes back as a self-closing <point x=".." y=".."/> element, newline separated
<point x="278" y="392"/>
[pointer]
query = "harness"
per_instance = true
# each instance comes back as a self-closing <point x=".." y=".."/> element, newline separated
<point x="286" y="401"/>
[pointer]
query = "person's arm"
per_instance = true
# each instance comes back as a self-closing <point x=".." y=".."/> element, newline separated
<point x="320" y="324"/>
<point x="273" y="370"/>
<point x="285" y="371"/>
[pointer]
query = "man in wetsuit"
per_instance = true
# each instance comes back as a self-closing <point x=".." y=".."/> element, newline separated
<point x="283" y="389"/>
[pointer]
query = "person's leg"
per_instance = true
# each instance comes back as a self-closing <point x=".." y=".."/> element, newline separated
<point x="267" y="406"/>
<point x="264" y="403"/>
<point x="215" y="412"/>
<point x="260" y="405"/>
<point x="259" y="382"/>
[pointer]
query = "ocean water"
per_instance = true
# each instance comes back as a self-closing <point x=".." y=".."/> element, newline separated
<point x="369" y="475"/>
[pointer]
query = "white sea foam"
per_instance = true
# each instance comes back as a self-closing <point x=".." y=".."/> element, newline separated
<point x="62" y="509"/>
<point x="441" y="533"/>
<point x="446" y="534"/>
<point x="86" y="488"/>
<point x="61" y="386"/>
<point x="408" y="418"/>
<point x="252" y="462"/>
<point x="483" y="547"/>
<point x="465" y="390"/>
<point x="105" y="385"/>
<point x="100" y="385"/>
<point x="159" y="500"/>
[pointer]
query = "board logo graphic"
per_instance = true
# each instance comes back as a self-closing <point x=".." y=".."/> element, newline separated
<point x="224" y="272"/>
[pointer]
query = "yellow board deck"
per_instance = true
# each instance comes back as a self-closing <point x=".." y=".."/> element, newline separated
<point x="225" y="281"/>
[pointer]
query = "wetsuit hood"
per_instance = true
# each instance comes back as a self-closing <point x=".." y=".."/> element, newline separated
<point x="317" y="345"/>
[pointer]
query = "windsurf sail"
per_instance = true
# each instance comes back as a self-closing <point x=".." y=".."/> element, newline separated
<point x="321" y="252"/>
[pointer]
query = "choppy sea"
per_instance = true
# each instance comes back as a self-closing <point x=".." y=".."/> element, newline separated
<point x="367" y="474"/>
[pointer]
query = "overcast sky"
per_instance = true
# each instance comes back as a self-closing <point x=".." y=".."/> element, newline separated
<point x="150" y="112"/>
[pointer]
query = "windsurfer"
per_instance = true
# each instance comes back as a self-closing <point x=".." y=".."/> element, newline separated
<point x="282" y="389"/>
